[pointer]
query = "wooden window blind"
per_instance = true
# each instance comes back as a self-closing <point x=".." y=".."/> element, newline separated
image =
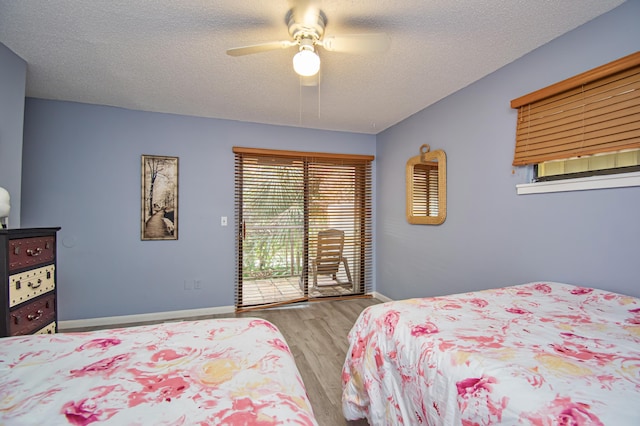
<point x="283" y="199"/>
<point x="594" y="112"/>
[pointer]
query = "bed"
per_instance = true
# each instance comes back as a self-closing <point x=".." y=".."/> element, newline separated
<point x="535" y="354"/>
<point x="236" y="371"/>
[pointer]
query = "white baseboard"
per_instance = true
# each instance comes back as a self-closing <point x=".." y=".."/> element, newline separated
<point x="382" y="297"/>
<point x="154" y="316"/>
<point x="159" y="316"/>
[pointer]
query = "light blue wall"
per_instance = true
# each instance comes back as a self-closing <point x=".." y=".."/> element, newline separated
<point x="493" y="237"/>
<point x="82" y="172"/>
<point x="13" y="77"/>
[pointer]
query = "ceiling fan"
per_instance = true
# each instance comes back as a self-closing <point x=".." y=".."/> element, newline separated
<point x="306" y="24"/>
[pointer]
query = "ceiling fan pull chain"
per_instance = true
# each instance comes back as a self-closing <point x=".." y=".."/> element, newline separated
<point x="319" y="83"/>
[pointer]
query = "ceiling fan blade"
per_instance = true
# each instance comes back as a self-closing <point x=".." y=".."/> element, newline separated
<point x="357" y="43"/>
<point x="262" y="47"/>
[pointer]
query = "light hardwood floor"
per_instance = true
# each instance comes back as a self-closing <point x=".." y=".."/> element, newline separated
<point x="317" y="335"/>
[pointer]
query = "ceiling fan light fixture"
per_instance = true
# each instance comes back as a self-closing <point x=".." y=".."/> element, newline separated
<point x="306" y="62"/>
<point x="306" y="24"/>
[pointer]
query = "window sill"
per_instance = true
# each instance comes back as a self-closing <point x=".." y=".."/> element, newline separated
<point x="581" y="184"/>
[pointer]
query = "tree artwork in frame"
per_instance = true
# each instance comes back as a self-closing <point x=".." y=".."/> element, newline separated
<point x="159" y="212"/>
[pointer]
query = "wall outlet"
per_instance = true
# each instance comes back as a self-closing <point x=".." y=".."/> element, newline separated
<point x="223" y="221"/>
<point x="197" y="284"/>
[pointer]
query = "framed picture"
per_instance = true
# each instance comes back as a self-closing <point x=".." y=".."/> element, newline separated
<point x="159" y="210"/>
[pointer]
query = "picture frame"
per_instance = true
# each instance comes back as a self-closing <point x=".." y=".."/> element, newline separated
<point x="159" y="198"/>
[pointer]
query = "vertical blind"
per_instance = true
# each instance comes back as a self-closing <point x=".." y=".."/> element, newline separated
<point x="594" y="112"/>
<point x="283" y="199"/>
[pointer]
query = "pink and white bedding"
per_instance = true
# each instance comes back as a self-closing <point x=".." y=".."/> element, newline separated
<point x="234" y="371"/>
<point x="533" y="354"/>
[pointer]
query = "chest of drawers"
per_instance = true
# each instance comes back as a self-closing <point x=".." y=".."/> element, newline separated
<point x="28" y="274"/>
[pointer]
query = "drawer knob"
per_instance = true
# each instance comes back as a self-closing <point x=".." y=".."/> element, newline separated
<point x="35" y="252"/>
<point x="34" y="286"/>
<point x="37" y="315"/>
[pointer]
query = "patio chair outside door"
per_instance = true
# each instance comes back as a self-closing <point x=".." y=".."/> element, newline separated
<point x="329" y="256"/>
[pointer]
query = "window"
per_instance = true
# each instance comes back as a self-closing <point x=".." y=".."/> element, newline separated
<point x="284" y="199"/>
<point x="589" y="165"/>
<point x="583" y="126"/>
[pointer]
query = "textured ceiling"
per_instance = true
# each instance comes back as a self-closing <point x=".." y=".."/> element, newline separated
<point x="169" y="56"/>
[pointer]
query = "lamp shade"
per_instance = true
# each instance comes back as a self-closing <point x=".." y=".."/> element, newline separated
<point x="5" y="207"/>
<point x="306" y="63"/>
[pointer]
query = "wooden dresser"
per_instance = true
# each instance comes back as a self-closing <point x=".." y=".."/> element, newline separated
<point x="28" y="272"/>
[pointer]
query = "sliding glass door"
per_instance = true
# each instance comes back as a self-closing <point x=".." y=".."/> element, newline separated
<point x="303" y="226"/>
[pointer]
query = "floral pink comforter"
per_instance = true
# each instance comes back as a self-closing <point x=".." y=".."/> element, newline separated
<point x="212" y="372"/>
<point x="535" y="354"/>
